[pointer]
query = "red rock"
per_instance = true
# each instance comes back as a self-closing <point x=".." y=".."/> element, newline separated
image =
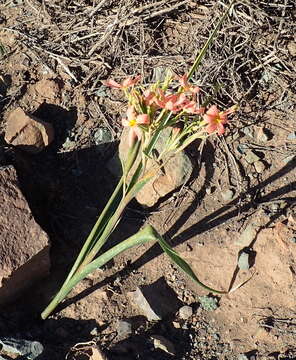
<point x="27" y="132"/>
<point x="24" y="246"/>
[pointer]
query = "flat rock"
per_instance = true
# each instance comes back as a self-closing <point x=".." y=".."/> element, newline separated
<point x="177" y="170"/>
<point x="27" y="132"/>
<point x="251" y="157"/>
<point x="24" y="246"/>
<point x="155" y="301"/>
<point x="26" y="349"/>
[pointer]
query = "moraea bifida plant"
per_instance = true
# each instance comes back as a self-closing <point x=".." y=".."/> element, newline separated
<point x="173" y="104"/>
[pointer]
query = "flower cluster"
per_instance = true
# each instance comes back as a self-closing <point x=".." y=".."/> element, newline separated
<point x="145" y="105"/>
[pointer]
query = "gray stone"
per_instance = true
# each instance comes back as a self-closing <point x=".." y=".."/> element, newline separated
<point x="185" y="312"/>
<point x="124" y="328"/>
<point x="242" y="357"/>
<point x="160" y="342"/>
<point x="292" y="136"/>
<point x="28" y="349"/>
<point x="242" y="148"/>
<point x="24" y="246"/>
<point x="259" y="166"/>
<point x="293" y="239"/>
<point x="263" y="135"/>
<point x="156" y="300"/>
<point x="175" y="172"/>
<point x="248" y="235"/>
<point x="227" y="195"/>
<point x="102" y="136"/>
<point x="288" y="159"/>
<point x="248" y="131"/>
<point x="244" y="261"/>
<point x="251" y="157"/>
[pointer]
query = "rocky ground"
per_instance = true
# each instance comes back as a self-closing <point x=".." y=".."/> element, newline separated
<point x="234" y="220"/>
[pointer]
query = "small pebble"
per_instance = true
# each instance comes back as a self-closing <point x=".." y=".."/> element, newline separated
<point x="185" y="312"/>
<point x="242" y="148"/>
<point x="288" y="159"/>
<point x="243" y="261"/>
<point x="259" y="166"/>
<point x="242" y="357"/>
<point x="160" y="342"/>
<point x="262" y="135"/>
<point x="210" y="190"/>
<point x="292" y="48"/>
<point x="248" y="132"/>
<point x="94" y="331"/>
<point x="227" y="195"/>
<point x="124" y="328"/>
<point x="251" y="157"/>
<point x="292" y="136"/>
<point x="102" y="136"/>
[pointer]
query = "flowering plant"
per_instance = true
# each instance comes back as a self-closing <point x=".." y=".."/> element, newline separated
<point x="175" y="104"/>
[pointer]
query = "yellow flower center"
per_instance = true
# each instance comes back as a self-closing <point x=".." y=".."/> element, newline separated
<point x="218" y="119"/>
<point x="132" y="122"/>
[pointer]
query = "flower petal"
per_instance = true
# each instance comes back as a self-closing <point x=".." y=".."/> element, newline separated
<point x="130" y="81"/>
<point x="213" y="111"/>
<point x="183" y="80"/>
<point x="143" y="119"/>
<point x="209" y="118"/>
<point x="220" y="129"/>
<point x="211" y="128"/>
<point x="112" y="83"/>
<point x="124" y="122"/>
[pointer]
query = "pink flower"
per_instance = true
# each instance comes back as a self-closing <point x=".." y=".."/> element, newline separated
<point x="125" y="84"/>
<point x="132" y="121"/>
<point x="149" y="98"/>
<point x="172" y="102"/>
<point x="183" y="80"/>
<point x="216" y="119"/>
<point x="191" y="107"/>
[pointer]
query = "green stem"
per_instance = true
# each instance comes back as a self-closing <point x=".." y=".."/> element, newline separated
<point x="145" y="235"/>
<point x="208" y="42"/>
<point x="108" y="211"/>
<point x="113" y="221"/>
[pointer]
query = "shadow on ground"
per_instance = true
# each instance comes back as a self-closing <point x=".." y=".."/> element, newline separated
<point x="66" y="191"/>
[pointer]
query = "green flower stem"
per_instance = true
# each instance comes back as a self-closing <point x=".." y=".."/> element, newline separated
<point x="108" y="211"/>
<point x="143" y="236"/>
<point x="208" y="42"/>
<point x="113" y="221"/>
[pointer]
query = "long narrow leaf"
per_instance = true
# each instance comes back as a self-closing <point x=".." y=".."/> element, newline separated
<point x="143" y="236"/>
<point x="183" y="265"/>
<point x="208" y="42"/>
